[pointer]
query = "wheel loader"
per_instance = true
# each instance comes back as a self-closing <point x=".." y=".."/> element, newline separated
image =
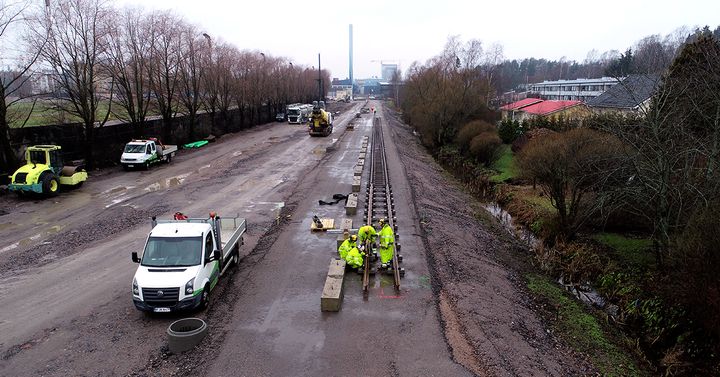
<point x="44" y="172"/>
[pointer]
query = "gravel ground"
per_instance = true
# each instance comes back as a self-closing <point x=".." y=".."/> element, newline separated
<point x="489" y="319"/>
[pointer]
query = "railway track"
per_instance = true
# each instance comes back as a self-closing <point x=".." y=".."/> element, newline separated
<point x="379" y="200"/>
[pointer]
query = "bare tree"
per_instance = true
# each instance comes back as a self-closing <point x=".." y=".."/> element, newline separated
<point x="574" y="169"/>
<point x="75" y="48"/>
<point x="128" y="59"/>
<point x="163" y="70"/>
<point x="192" y="52"/>
<point x="226" y="82"/>
<point x="12" y="18"/>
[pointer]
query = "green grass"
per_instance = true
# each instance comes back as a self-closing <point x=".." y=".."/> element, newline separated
<point x="634" y="251"/>
<point x="44" y="114"/>
<point x="505" y="166"/>
<point x="582" y="330"/>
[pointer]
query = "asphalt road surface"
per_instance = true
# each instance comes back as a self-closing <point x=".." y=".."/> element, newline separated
<point x="66" y="273"/>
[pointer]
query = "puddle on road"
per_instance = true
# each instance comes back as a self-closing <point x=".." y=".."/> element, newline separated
<point x="319" y="150"/>
<point x="114" y="190"/>
<point x="273" y="207"/>
<point x="238" y="153"/>
<point x="167" y="183"/>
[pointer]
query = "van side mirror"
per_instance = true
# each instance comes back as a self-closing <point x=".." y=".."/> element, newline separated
<point x="135" y="257"/>
<point x="217" y="255"/>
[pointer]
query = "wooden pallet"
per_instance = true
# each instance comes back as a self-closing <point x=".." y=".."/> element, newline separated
<point x="327" y="224"/>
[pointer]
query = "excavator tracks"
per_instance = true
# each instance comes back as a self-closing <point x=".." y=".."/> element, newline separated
<point x="379" y="200"/>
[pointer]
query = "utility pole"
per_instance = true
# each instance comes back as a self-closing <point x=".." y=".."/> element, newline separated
<point x="320" y="81"/>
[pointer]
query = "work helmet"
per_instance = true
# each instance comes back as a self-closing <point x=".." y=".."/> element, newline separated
<point x="382" y="221"/>
<point x="353" y="238"/>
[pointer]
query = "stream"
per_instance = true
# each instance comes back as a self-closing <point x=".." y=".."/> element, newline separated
<point x="583" y="292"/>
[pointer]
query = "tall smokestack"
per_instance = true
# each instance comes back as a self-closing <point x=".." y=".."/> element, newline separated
<point x="351" y="61"/>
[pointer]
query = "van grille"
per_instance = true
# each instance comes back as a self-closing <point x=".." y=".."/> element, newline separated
<point x="154" y="297"/>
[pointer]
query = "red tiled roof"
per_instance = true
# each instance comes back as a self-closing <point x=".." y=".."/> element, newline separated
<point x="549" y="107"/>
<point x="521" y="104"/>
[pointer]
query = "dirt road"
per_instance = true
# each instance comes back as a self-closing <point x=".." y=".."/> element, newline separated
<point x="66" y="271"/>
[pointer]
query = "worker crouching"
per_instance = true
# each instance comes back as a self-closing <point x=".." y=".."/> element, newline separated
<point x="347" y="245"/>
<point x="354" y="258"/>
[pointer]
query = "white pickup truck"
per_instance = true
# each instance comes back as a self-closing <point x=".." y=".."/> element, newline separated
<point x="143" y="153"/>
<point x="183" y="260"/>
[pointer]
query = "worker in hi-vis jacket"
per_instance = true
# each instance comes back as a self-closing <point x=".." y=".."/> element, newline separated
<point x="348" y="244"/>
<point x="387" y="244"/>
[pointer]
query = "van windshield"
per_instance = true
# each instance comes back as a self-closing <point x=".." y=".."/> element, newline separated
<point x="134" y="148"/>
<point x="293" y="112"/>
<point x="172" y="252"/>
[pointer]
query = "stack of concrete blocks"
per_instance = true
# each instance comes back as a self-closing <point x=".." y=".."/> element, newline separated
<point x="332" y="295"/>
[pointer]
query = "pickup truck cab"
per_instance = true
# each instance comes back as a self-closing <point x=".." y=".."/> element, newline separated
<point x="143" y="153"/>
<point x="183" y="260"/>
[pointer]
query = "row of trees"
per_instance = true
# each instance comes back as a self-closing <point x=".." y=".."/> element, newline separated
<point x="131" y="63"/>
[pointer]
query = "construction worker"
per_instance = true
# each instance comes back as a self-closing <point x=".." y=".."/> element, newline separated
<point x="347" y="245"/>
<point x="387" y="244"/>
<point x="366" y="233"/>
<point x="354" y="258"/>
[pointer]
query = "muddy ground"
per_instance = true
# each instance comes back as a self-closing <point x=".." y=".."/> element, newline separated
<point x="488" y="317"/>
<point x="66" y="271"/>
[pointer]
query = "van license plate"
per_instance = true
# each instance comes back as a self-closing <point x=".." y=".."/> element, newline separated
<point x="131" y="166"/>
<point x="161" y="310"/>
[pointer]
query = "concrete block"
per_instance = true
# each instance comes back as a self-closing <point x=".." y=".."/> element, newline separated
<point x="357" y="170"/>
<point x="363" y="151"/>
<point x="337" y="268"/>
<point x="361" y="162"/>
<point x="332" y="294"/>
<point x="356" y="184"/>
<point x="351" y="205"/>
<point x="346" y="224"/>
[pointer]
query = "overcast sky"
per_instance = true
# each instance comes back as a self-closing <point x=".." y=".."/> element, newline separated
<point x="405" y="31"/>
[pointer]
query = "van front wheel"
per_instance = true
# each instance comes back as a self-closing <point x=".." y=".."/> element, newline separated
<point x="205" y="298"/>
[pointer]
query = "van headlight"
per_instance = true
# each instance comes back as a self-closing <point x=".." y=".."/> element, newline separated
<point x="189" y="287"/>
<point x="136" y="290"/>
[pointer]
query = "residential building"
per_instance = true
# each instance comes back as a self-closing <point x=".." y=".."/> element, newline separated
<point x="533" y="108"/>
<point x="573" y="90"/>
<point x="509" y="110"/>
<point x="631" y="96"/>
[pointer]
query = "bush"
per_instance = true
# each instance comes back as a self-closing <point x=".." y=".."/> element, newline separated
<point x="509" y="130"/>
<point x="486" y="147"/>
<point x="469" y="131"/>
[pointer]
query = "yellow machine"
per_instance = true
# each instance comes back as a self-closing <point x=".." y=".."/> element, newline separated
<point x="321" y="121"/>
<point x="44" y="172"/>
